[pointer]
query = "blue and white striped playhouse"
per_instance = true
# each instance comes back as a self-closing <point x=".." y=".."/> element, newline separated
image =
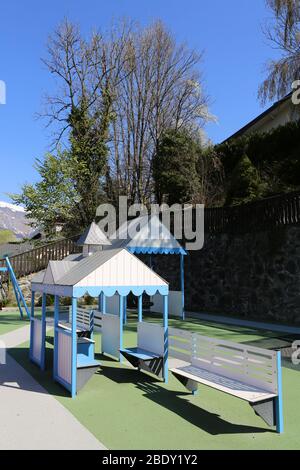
<point x="101" y="274"/>
<point x="148" y="235"/>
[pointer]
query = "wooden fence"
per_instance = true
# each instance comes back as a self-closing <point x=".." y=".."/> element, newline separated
<point x="37" y="259"/>
<point x="260" y="215"/>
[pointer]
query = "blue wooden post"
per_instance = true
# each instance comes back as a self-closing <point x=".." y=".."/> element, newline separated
<point x="121" y="312"/>
<point x="56" y="320"/>
<point x="18" y="293"/>
<point x="103" y="310"/>
<point x="279" y="403"/>
<point x="31" y="324"/>
<point x="74" y="348"/>
<point x="166" y="342"/>
<point x="140" y="308"/>
<point x="182" y="284"/>
<point x="43" y="339"/>
<point x="125" y="310"/>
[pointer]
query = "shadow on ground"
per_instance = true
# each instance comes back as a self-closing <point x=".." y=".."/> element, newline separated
<point x="44" y="378"/>
<point x="176" y="403"/>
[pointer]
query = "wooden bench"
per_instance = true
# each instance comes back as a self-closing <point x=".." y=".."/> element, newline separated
<point x="246" y="372"/>
<point x="149" y="353"/>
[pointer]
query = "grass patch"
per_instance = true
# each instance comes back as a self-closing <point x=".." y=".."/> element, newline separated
<point x="11" y="320"/>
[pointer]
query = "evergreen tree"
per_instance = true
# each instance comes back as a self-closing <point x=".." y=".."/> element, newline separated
<point x="175" y="168"/>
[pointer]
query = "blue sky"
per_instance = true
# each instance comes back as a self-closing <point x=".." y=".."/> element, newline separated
<point x="229" y="32"/>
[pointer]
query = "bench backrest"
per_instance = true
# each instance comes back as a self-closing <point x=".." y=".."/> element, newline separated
<point x="180" y="344"/>
<point x="248" y="364"/>
<point x="85" y="318"/>
<point x="151" y="337"/>
<point x="97" y="320"/>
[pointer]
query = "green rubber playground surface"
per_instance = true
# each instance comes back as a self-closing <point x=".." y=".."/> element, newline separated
<point x="126" y="409"/>
<point x="10" y="320"/>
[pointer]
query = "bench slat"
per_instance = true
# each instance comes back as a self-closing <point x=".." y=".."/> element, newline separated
<point x="229" y="386"/>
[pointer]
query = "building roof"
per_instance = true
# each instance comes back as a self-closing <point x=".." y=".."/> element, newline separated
<point x="93" y="235"/>
<point x="87" y="266"/>
<point x="274" y="108"/>
<point x="146" y="234"/>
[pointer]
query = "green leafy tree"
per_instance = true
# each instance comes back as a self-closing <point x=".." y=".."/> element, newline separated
<point x="245" y="183"/>
<point x="275" y="155"/>
<point x="89" y="153"/>
<point x="175" y="168"/>
<point x="53" y="198"/>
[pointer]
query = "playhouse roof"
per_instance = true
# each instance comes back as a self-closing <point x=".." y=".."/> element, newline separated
<point x="109" y="271"/>
<point x="93" y="235"/>
<point x="38" y="277"/>
<point x="146" y="234"/>
<point x="57" y="269"/>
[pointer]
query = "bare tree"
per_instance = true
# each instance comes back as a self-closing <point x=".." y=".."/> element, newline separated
<point x="161" y="89"/>
<point x="283" y="33"/>
<point x="87" y="72"/>
<point x="123" y="89"/>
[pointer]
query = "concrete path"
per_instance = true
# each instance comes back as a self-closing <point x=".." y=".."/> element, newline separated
<point x="30" y="418"/>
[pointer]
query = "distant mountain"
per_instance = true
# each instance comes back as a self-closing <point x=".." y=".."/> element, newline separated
<point x="13" y="218"/>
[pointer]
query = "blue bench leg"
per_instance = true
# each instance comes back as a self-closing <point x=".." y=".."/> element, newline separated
<point x="278" y="400"/>
<point x="279" y="415"/>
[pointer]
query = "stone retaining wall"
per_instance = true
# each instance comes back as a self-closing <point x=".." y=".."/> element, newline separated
<point x="254" y="275"/>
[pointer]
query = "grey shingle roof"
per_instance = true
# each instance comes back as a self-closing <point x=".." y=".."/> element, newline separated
<point x="38" y="277"/>
<point x="86" y="266"/>
<point x="60" y="268"/>
<point x="93" y="235"/>
<point x="74" y="257"/>
<point x="143" y="238"/>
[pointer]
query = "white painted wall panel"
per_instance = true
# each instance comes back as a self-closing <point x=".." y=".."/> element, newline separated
<point x="112" y="305"/>
<point x="111" y="334"/>
<point x="37" y="340"/>
<point x="151" y="337"/>
<point x="175" y="303"/>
